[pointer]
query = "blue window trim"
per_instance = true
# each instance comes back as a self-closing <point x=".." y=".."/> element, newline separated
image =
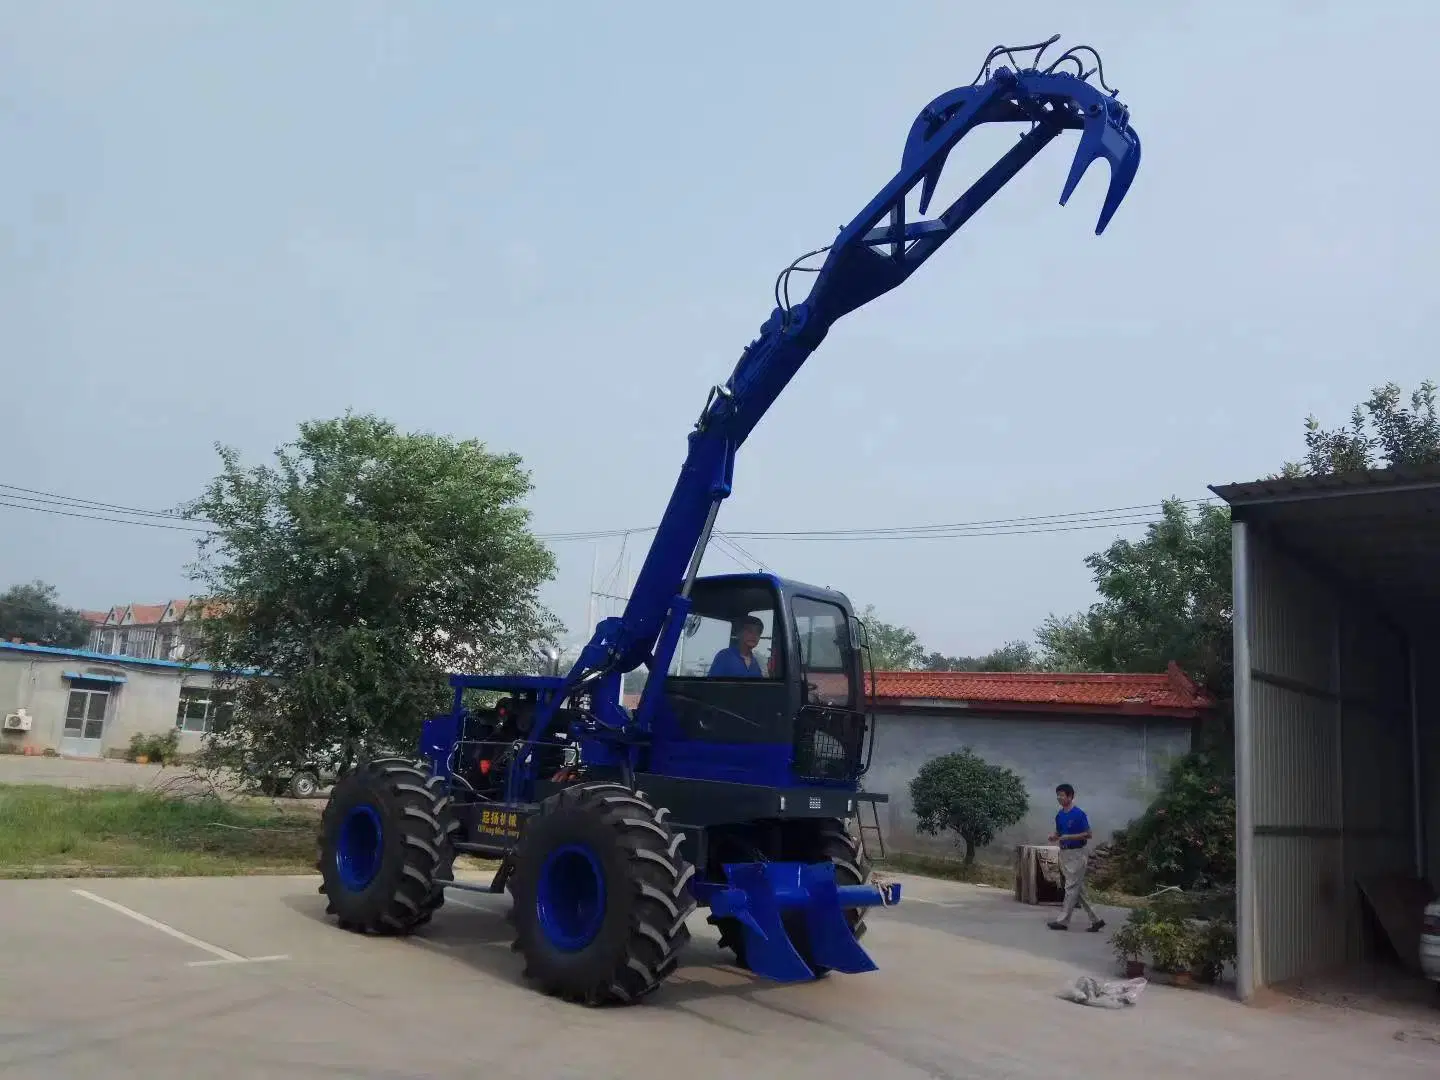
<point x="83" y="676"/>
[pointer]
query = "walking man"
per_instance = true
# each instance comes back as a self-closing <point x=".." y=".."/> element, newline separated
<point x="1072" y="833"/>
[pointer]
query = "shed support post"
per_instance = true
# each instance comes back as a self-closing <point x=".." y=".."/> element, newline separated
<point x="1245" y="923"/>
<point x="1417" y="748"/>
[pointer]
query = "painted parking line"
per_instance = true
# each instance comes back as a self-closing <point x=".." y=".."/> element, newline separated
<point x="222" y="956"/>
<point x="934" y="903"/>
<point x="451" y="898"/>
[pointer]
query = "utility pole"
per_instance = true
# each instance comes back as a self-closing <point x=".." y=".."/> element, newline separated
<point x="590" y="619"/>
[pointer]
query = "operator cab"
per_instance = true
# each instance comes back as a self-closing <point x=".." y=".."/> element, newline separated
<point x="766" y="661"/>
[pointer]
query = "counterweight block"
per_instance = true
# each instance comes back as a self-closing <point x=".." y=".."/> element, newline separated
<point x="759" y="895"/>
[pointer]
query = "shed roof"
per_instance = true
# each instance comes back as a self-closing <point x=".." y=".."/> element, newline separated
<point x="1373" y="532"/>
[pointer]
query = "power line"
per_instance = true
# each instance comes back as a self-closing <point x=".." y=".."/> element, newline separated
<point x="1114" y="517"/>
<point x="1117" y="512"/>
<point x="54" y="498"/>
<point x="99" y="517"/>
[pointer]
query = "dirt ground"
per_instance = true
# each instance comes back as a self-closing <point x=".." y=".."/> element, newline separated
<point x="245" y="977"/>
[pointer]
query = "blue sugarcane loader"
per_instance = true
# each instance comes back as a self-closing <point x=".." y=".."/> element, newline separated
<point x="735" y="782"/>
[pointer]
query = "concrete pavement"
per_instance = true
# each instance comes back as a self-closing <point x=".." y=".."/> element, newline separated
<point x="259" y="983"/>
<point x="72" y="773"/>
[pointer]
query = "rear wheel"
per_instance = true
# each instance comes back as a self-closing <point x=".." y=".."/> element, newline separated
<point x="810" y="842"/>
<point x="601" y="895"/>
<point x="386" y="850"/>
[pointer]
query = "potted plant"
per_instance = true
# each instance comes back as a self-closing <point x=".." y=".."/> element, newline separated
<point x="1216" y="949"/>
<point x="1130" y="943"/>
<point x="1172" y="948"/>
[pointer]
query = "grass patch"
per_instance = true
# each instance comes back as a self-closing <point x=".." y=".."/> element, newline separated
<point x="937" y="866"/>
<point x="78" y="832"/>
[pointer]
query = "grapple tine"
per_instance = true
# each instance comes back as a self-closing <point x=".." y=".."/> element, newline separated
<point x="1120" y="146"/>
<point x="754" y="900"/>
<point x="757" y="895"/>
<point x="832" y="943"/>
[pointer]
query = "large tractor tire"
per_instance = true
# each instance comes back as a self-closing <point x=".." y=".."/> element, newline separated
<point x="810" y="842"/>
<point x="601" y="895"/>
<point x="386" y="847"/>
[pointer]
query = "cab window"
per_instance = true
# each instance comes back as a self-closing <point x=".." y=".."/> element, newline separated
<point x="730" y="634"/>
<point x="822" y="634"/>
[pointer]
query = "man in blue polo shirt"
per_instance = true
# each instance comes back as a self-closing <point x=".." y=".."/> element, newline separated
<point x="1072" y="833"/>
<point x="739" y="661"/>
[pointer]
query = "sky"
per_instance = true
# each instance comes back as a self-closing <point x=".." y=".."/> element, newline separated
<point x="553" y="226"/>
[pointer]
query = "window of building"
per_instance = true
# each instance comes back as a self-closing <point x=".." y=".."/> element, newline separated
<point x="204" y="710"/>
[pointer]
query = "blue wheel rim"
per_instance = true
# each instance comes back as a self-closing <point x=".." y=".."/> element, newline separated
<point x="361" y="842"/>
<point x="570" y="900"/>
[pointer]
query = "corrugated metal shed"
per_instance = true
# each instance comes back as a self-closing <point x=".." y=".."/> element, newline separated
<point x="1337" y="592"/>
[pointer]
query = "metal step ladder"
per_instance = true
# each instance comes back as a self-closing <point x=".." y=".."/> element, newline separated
<point x="873" y="827"/>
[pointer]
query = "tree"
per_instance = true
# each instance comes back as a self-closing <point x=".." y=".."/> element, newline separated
<point x="897" y="648"/>
<point x="1012" y="656"/>
<point x="1382" y="433"/>
<point x="34" y="614"/>
<point x="963" y="794"/>
<point x="353" y="573"/>
<point x="1165" y="597"/>
<point x="892" y="647"/>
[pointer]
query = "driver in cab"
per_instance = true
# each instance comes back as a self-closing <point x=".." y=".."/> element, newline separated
<point x="738" y="661"/>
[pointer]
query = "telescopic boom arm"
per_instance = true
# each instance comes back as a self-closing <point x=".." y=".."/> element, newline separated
<point x="873" y="254"/>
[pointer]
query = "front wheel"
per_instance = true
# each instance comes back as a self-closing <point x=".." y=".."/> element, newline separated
<point x="386" y="850"/>
<point x="601" y="895"/>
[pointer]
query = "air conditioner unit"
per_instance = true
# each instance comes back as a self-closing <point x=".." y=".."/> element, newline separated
<point x="18" y="721"/>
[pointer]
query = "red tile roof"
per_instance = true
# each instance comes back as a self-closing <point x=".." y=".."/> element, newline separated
<point x="147" y="614"/>
<point x="1170" y="694"/>
<point x="96" y="617"/>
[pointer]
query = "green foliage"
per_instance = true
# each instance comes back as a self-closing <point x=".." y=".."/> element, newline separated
<point x="1382" y="433"/>
<point x="1131" y="942"/>
<point x="892" y="647"/>
<point x="33" y="614"/>
<point x="963" y="794"/>
<point x="1012" y="656"/>
<point x="1175" y="938"/>
<point x="355" y="571"/>
<point x="161" y="749"/>
<point x="1162" y="598"/>
<point x="898" y="648"/>
<point x="1174" y="944"/>
<point x="1186" y="837"/>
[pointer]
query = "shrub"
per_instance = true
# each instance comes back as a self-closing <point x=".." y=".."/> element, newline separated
<point x="963" y="794"/>
<point x="1186" y="837"/>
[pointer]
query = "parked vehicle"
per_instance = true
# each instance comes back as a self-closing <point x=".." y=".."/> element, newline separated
<point x="297" y="779"/>
<point x="303" y="778"/>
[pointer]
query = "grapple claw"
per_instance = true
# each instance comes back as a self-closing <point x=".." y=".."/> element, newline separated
<point x="1109" y="136"/>
<point x="759" y="895"/>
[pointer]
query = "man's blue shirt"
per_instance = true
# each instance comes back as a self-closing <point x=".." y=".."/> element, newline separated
<point x="729" y="664"/>
<point x="1069" y="822"/>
